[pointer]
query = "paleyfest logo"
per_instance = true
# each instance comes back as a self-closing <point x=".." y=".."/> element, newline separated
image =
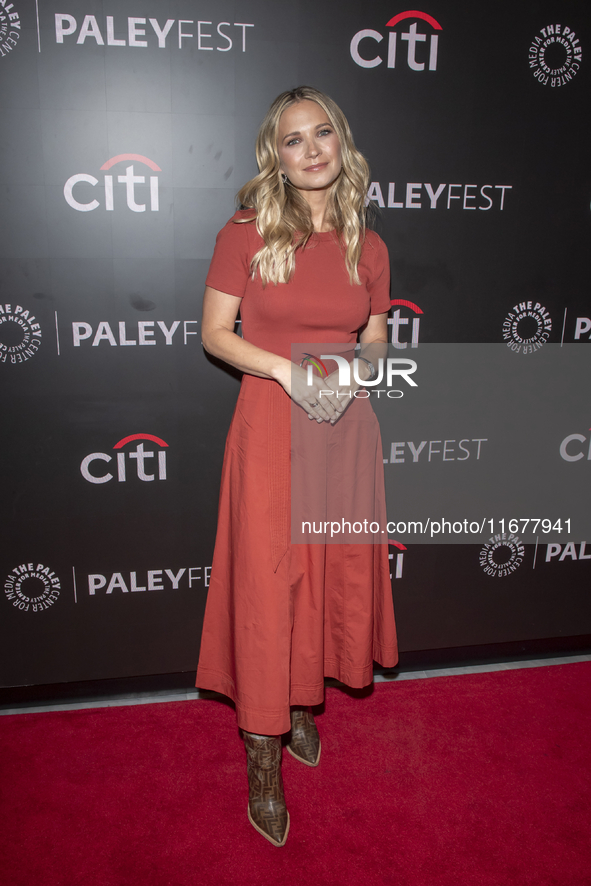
<point x="10" y="27"/>
<point x="32" y="588"/>
<point x="568" y="551"/>
<point x="142" y="33"/>
<point x="118" y="334"/>
<point x="128" y="178"/>
<point x="429" y="195"/>
<point x="20" y="334"/>
<point x="142" y="458"/>
<point x="555" y="55"/>
<point x="361" y="47"/>
<point x="147" y="580"/>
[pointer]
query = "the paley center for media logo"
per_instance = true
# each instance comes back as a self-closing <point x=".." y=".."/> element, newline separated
<point x="555" y="55"/>
<point x="527" y="327"/>
<point x="20" y="334"/>
<point x="502" y="554"/>
<point x="32" y="587"/>
<point x="10" y="27"/>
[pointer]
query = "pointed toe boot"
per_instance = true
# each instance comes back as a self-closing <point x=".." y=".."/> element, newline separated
<point x="267" y="812"/>
<point x="304" y="743"/>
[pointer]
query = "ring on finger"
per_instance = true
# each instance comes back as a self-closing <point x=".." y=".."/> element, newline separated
<point x="313" y="405"/>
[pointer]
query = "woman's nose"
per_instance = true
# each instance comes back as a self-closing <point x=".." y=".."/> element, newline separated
<point x="313" y="149"/>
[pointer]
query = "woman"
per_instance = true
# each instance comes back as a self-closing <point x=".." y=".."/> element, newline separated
<point x="300" y="266"/>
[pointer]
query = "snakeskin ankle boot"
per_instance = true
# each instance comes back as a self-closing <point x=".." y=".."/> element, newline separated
<point x="304" y="743"/>
<point x="267" y="812"/>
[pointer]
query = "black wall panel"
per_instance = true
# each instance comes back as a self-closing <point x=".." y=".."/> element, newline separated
<point x="127" y="128"/>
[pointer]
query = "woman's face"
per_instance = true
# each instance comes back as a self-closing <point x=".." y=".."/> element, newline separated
<point x="309" y="148"/>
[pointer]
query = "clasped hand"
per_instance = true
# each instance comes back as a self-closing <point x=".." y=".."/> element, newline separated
<point x="315" y="399"/>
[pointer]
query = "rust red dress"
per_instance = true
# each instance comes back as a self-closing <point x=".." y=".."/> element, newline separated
<point x="280" y="616"/>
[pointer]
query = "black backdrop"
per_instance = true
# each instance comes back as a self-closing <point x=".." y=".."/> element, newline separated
<point x="127" y="128"/>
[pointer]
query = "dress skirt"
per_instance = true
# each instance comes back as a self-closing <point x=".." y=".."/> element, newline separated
<point x="280" y="617"/>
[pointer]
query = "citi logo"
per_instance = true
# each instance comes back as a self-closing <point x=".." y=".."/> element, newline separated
<point x="396" y="321"/>
<point x="125" y="458"/>
<point x="427" y="54"/>
<point x="129" y="179"/>
<point x="399" y="557"/>
<point x="572" y="450"/>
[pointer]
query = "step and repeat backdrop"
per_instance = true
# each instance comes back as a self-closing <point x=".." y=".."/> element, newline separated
<point x="126" y="129"/>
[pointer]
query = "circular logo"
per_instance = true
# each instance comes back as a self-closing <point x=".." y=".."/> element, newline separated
<point x="20" y="334"/>
<point x="555" y="55"/>
<point x="32" y="588"/>
<point x="527" y="327"/>
<point x="502" y="555"/>
<point x="10" y="28"/>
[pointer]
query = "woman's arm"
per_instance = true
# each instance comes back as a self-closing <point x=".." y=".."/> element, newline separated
<point x="374" y="340"/>
<point x="375" y="330"/>
<point x="219" y="339"/>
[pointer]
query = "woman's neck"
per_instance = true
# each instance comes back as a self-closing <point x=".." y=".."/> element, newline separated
<point x="318" y="203"/>
<point x="321" y="227"/>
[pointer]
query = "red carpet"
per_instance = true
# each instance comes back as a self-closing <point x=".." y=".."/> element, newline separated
<point x="480" y="780"/>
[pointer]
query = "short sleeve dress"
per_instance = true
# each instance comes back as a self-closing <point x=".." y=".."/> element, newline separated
<point x="280" y="617"/>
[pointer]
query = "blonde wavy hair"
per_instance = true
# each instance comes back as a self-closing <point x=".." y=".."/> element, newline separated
<point x="283" y="217"/>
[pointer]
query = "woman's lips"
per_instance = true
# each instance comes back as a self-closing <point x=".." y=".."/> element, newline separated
<point x="316" y="167"/>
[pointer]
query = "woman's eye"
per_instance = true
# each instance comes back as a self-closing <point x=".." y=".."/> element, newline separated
<point x="325" y="132"/>
<point x="292" y="141"/>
